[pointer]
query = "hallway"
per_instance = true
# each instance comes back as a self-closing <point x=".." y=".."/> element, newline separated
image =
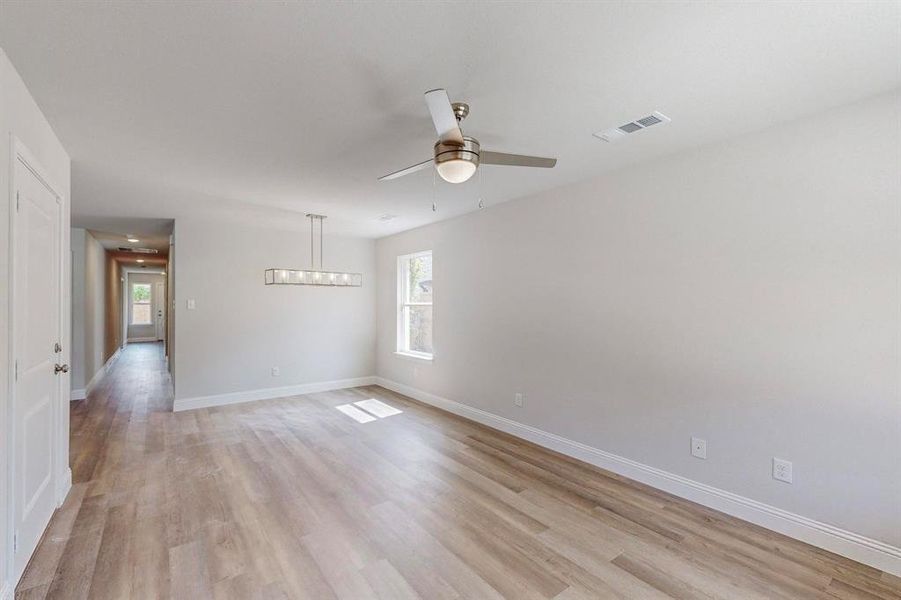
<point x="116" y="444"/>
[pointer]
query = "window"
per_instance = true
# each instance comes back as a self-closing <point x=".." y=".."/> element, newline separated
<point x="140" y="304"/>
<point x="414" y="299"/>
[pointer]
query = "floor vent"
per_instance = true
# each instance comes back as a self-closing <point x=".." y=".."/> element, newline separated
<point x="617" y="133"/>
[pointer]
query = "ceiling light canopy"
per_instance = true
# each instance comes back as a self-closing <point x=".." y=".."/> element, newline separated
<point x="133" y="240"/>
<point x="313" y="276"/>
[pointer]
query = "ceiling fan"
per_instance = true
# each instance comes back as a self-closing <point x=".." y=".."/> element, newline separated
<point x="457" y="156"/>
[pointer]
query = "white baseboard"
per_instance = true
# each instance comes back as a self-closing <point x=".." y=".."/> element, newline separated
<point x="269" y="393"/>
<point x="6" y="592"/>
<point x="64" y="488"/>
<point x="845" y="543"/>
<point x="81" y="394"/>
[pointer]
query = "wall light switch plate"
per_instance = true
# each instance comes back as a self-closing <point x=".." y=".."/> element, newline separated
<point x="517" y="399"/>
<point x="782" y="470"/>
<point x="191" y="304"/>
<point x="699" y="448"/>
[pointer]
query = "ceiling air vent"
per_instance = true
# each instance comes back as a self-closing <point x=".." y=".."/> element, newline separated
<point x="138" y="250"/>
<point x="617" y="133"/>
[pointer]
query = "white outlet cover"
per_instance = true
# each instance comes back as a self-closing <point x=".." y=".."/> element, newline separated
<point x="275" y="372"/>
<point x="517" y="399"/>
<point x="782" y="470"/>
<point x="191" y="304"/>
<point x="699" y="448"/>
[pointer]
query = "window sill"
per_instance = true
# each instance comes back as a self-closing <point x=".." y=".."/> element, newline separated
<point x="413" y="356"/>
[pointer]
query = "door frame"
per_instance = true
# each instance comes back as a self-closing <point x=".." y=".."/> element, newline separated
<point x="159" y="310"/>
<point x="62" y="480"/>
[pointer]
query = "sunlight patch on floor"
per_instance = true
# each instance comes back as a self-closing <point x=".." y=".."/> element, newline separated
<point x="366" y="411"/>
<point x="355" y="413"/>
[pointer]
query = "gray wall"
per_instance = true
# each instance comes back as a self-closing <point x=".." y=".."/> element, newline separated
<point x="88" y="307"/>
<point x="242" y="328"/>
<point x="747" y="293"/>
<point x="95" y="274"/>
<point x="77" y="378"/>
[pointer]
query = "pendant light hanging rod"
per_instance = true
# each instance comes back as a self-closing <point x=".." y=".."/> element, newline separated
<point x="313" y="217"/>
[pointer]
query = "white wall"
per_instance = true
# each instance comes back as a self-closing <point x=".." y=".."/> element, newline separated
<point x="241" y="327"/>
<point x="20" y="116"/>
<point x="747" y="293"/>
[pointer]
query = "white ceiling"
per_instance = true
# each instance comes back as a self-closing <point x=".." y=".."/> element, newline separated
<point x="220" y="109"/>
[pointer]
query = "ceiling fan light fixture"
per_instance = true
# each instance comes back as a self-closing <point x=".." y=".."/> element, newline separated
<point x="457" y="157"/>
<point x="456" y="163"/>
<point x="456" y="170"/>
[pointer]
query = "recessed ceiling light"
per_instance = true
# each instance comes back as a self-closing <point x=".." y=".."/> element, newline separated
<point x="133" y="240"/>
<point x="140" y="260"/>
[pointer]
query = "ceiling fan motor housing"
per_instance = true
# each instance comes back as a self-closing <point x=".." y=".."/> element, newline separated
<point x="448" y="151"/>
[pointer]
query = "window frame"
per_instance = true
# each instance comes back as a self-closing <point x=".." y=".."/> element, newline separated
<point x="132" y="303"/>
<point x="402" y="345"/>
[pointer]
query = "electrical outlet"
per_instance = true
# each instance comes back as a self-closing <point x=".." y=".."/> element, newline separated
<point x="699" y="448"/>
<point x="782" y="470"/>
<point x="275" y="372"/>
<point x="191" y="304"/>
<point x="517" y="399"/>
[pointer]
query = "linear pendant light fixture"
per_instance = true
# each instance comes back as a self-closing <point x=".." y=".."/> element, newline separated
<point x="313" y="276"/>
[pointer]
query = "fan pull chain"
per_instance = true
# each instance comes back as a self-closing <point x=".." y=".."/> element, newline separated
<point x="434" y="190"/>
<point x="481" y="203"/>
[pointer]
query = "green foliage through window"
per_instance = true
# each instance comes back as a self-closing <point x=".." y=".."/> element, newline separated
<point x="140" y="292"/>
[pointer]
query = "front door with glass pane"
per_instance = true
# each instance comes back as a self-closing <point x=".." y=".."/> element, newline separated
<point x="141" y="325"/>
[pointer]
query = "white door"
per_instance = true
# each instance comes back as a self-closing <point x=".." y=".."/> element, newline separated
<point x="37" y="331"/>
<point x="159" y="305"/>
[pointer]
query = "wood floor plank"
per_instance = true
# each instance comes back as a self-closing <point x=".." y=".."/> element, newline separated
<point x="291" y="498"/>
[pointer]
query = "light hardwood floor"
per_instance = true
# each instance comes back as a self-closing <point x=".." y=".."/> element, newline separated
<point x="291" y="498"/>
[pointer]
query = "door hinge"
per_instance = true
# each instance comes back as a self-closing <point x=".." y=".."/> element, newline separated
<point x="17" y="201"/>
<point x="15" y="542"/>
<point x="17" y="372"/>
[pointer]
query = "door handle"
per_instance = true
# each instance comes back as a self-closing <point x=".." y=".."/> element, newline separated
<point x="57" y="369"/>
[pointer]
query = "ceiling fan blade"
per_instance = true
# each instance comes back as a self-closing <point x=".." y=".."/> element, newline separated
<point x="443" y="116"/>
<point x="408" y="170"/>
<point x="515" y="160"/>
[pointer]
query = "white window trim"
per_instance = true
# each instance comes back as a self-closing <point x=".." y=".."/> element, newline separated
<point x="131" y="304"/>
<point x="401" y="343"/>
